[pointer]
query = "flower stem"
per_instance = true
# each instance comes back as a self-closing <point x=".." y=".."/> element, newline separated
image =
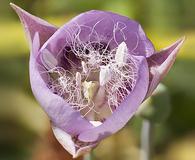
<point x="146" y="140"/>
<point x="88" y="156"/>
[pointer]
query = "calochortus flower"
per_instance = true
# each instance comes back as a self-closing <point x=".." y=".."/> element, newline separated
<point x="91" y="75"/>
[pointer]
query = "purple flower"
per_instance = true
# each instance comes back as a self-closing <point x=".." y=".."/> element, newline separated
<point x="91" y="75"/>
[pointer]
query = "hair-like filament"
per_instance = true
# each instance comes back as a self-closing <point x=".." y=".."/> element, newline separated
<point x="95" y="55"/>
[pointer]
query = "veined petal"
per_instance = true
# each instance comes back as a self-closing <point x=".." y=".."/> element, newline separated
<point x="101" y="26"/>
<point x="33" y="24"/>
<point x="148" y="46"/>
<point x="125" y="111"/>
<point x="60" y="113"/>
<point x="160" y="64"/>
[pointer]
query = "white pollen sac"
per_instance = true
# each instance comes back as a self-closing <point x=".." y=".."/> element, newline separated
<point x="89" y="89"/>
<point x="121" y="55"/>
<point x="48" y="60"/>
<point x="84" y="66"/>
<point x="78" y="79"/>
<point x="105" y="75"/>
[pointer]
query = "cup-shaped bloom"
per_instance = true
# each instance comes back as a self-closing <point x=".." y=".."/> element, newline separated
<point x="91" y="74"/>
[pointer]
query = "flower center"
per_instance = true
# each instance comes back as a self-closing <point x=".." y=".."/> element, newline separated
<point x="93" y="79"/>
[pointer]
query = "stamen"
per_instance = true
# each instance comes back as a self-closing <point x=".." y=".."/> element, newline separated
<point x="105" y="75"/>
<point x="48" y="60"/>
<point x="84" y="66"/>
<point x="78" y="79"/>
<point x="89" y="89"/>
<point x="121" y="54"/>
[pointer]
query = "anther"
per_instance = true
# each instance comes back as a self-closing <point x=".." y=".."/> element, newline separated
<point x="121" y="54"/>
<point x="89" y="89"/>
<point x="78" y="79"/>
<point x="105" y="75"/>
<point x="48" y="60"/>
<point x="84" y="66"/>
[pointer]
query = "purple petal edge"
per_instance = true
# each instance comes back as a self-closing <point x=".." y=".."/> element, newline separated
<point x="161" y="62"/>
<point x="60" y="113"/>
<point x="124" y="112"/>
<point x="136" y="39"/>
<point x="33" y="24"/>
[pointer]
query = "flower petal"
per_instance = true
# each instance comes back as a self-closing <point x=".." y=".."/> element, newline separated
<point x="160" y="64"/>
<point x="60" y="113"/>
<point x="106" y="27"/>
<point x="64" y="139"/>
<point x="34" y="24"/>
<point x="125" y="111"/>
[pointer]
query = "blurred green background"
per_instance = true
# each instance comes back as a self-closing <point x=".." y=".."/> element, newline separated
<point x="23" y="124"/>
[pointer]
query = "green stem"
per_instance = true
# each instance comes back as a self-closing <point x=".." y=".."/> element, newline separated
<point x="146" y="140"/>
<point x="88" y="156"/>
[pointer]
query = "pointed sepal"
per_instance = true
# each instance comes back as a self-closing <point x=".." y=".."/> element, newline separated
<point x="33" y="24"/>
<point x="161" y="62"/>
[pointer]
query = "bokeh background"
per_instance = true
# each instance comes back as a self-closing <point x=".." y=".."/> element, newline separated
<point x="24" y="128"/>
